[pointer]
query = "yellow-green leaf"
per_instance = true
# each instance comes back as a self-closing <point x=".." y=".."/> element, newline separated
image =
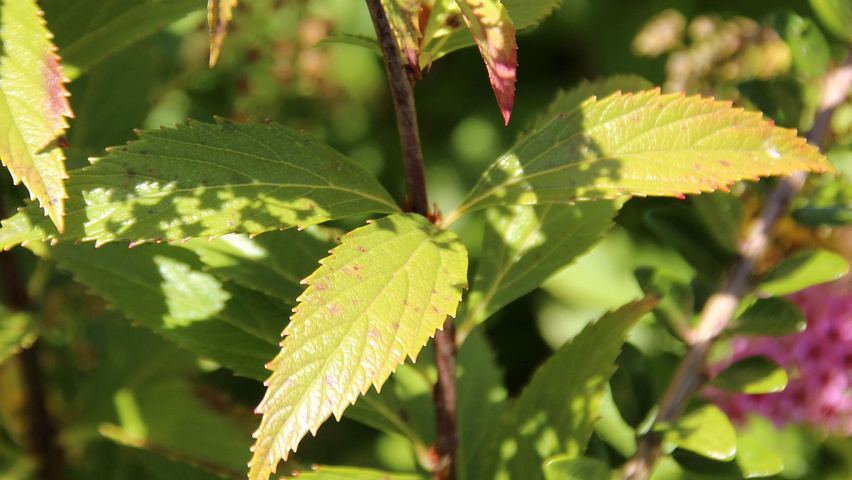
<point x="219" y="13"/>
<point x="641" y="144"/>
<point x="403" y="16"/>
<point x="378" y="298"/>
<point x="33" y="107"/>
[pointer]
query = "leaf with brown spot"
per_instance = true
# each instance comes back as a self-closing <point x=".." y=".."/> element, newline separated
<point x="33" y="107"/>
<point x="335" y="349"/>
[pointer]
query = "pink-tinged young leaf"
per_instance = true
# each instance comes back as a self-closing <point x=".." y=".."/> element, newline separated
<point x="33" y="107"/>
<point x="219" y="13"/>
<point x="404" y="19"/>
<point x="489" y="22"/>
<point x="638" y="145"/>
<point x="376" y="300"/>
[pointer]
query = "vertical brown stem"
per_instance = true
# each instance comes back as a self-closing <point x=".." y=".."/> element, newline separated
<point x="406" y="114"/>
<point x="445" y="342"/>
<point x="41" y="431"/>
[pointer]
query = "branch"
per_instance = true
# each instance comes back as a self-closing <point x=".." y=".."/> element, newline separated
<point x="444" y="395"/>
<point x="406" y="114"/>
<point x="720" y="307"/>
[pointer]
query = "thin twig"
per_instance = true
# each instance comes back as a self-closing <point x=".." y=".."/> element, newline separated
<point x="720" y="307"/>
<point x="444" y="394"/>
<point x="41" y="431"/>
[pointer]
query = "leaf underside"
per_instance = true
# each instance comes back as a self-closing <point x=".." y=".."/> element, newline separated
<point x="494" y="34"/>
<point x="377" y="299"/>
<point x="219" y="13"/>
<point x="641" y="144"/>
<point x="527" y="245"/>
<point x="33" y="107"/>
<point x="205" y="180"/>
<point x="557" y="411"/>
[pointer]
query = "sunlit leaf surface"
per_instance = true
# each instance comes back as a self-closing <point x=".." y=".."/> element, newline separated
<point x="205" y="180"/>
<point x="378" y="298"/>
<point x="33" y="107"/>
<point x="403" y="16"/>
<point x="641" y="144"/>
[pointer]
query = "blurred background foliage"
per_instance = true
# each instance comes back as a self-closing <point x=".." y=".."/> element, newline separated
<point x="134" y="406"/>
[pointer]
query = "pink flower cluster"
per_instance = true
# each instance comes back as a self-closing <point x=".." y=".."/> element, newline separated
<point x="818" y="362"/>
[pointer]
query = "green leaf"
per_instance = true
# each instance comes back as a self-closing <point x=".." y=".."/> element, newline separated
<point x="752" y="375"/>
<point x="378" y="298"/>
<point x="705" y="431"/>
<point x="754" y="459"/>
<point x="219" y="13"/>
<point x="482" y="400"/>
<point x="17" y="331"/>
<point x="836" y="15"/>
<point x="349" y="39"/>
<point x="774" y="316"/>
<point x="570" y="100"/>
<point x="168" y="290"/>
<point x="567" y="467"/>
<point x="640" y="144"/>
<point x="631" y="386"/>
<point x="829" y="204"/>
<point x="88" y="31"/>
<point x="494" y="34"/>
<point x="273" y="263"/>
<point x="526" y="245"/>
<point x="205" y="180"/>
<point x="802" y="271"/>
<point x="33" y="107"/>
<point x="557" y="411"/>
<point x="323" y="472"/>
<point x="808" y="46"/>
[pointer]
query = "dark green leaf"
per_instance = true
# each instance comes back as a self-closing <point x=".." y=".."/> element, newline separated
<point x="557" y="411"/>
<point x="273" y="263"/>
<point x="169" y="290"/>
<point x="88" y="31"/>
<point x="752" y="375"/>
<point x="775" y="316"/>
<point x="802" y="271"/>
<point x="631" y="386"/>
<point x="205" y="180"/>
<point x="481" y="403"/>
